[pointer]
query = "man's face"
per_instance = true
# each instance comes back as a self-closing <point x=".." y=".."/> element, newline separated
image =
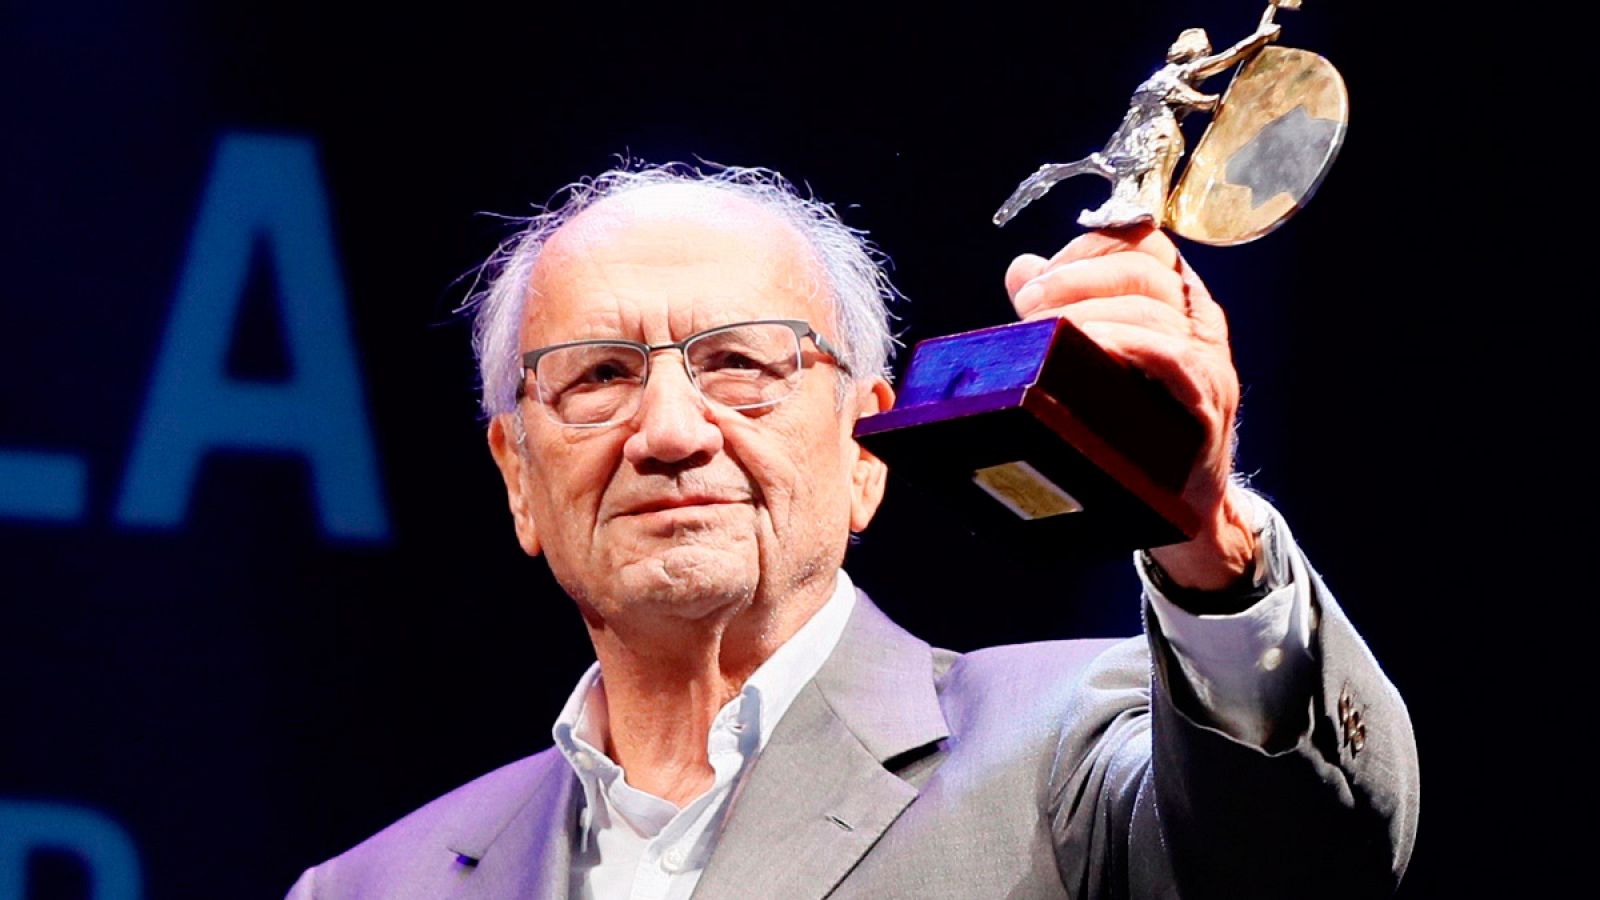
<point x="687" y="508"/>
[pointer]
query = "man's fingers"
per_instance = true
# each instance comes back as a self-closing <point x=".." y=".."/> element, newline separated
<point x="1022" y="270"/>
<point x="1166" y="358"/>
<point x="1106" y="276"/>
<point x="1133" y="310"/>
<point x="1210" y="323"/>
<point x="1140" y="238"/>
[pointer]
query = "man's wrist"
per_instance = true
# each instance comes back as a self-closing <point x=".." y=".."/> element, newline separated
<point x="1217" y="574"/>
<point x="1223" y="552"/>
<point x="1244" y="592"/>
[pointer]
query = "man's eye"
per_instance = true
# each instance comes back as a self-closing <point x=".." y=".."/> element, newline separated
<point x="737" y="361"/>
<point x="730" y="360"/>
<point x="604" y="373"/>
<point x="594" y="375"/>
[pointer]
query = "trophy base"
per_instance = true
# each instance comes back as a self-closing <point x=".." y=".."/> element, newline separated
<point x="1037" y="435"/>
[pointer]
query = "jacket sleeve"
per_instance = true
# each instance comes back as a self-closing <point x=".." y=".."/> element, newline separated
<point x="305" y="887"/>
<point x="1149" y="799"/>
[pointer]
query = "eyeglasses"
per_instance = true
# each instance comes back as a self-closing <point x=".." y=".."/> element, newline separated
<point x="748" y="365"/>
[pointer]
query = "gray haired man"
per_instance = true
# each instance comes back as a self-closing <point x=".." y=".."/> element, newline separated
<point x="673" y="363"/>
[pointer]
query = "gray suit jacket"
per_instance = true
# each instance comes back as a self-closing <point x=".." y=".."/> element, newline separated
<point x="1041" y="770"/>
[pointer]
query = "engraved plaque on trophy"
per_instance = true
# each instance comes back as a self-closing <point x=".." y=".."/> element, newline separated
<point x="1031" y="428"/>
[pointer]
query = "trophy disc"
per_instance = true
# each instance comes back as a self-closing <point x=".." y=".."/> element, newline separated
<point x="1275" y="135"/>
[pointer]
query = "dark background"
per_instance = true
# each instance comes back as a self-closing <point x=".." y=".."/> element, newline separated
<point x="243" y="695"/>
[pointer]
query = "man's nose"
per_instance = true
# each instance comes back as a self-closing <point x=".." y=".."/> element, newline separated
<point x="674" y="423"/>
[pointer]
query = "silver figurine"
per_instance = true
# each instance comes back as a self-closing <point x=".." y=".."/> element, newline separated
<point x="1142" y="155"/>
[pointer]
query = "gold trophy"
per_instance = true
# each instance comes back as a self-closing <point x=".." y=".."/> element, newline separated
<point x="1038" y="431"/>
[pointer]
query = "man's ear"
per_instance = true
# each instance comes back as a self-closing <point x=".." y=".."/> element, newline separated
<point x="511" y="456"/>
<point x="869" y="474"/>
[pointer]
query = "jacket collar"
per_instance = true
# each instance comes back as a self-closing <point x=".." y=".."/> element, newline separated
<point x="879" y="681"/>
<point x="819" y="796"/>
<point x="816" y="799"/>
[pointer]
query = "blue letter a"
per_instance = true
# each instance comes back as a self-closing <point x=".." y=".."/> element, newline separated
<point x="266" y="189"/>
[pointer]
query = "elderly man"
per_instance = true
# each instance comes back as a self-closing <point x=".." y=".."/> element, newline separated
<point x="674" y="363"/>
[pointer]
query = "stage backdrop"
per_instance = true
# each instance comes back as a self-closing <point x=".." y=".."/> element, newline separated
<point x="261" y="594"/>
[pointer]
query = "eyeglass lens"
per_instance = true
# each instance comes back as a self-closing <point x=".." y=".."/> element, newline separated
<point x="743" y="367"/>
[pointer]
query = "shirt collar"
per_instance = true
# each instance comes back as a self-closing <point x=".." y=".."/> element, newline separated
<point x="580" y="732"/>
<point x="779" y="680"/>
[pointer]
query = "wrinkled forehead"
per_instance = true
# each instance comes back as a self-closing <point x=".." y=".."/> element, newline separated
<point x="693" y="241"/>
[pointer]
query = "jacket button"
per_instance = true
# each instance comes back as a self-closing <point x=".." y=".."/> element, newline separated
<point x="1351" y="723"/>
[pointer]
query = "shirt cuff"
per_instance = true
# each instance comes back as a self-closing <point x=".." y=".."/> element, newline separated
<point x="1248" y="669"/>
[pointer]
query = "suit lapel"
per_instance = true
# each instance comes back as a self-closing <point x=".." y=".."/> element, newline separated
<point x="529" y="853"/>
<point x="818" y="797"/>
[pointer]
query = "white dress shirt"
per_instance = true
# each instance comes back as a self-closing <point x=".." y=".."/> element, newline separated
<point x="633" y="844"/>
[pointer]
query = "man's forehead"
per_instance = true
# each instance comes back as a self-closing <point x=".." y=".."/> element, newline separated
<point x="666" y="220"/>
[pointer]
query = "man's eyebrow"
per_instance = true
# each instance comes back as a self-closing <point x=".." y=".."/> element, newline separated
<point x="603" y="325"/>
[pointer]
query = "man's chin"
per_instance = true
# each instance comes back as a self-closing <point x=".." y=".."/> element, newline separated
<point x="687" y="582"/>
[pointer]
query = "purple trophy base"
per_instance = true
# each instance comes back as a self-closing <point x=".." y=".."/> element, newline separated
<point x="1035" y="433"/>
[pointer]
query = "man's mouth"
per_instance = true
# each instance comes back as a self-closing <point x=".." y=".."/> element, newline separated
<point x="665" y="504"/>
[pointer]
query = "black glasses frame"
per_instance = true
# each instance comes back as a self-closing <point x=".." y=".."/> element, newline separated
<point x="801" y="329"/>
